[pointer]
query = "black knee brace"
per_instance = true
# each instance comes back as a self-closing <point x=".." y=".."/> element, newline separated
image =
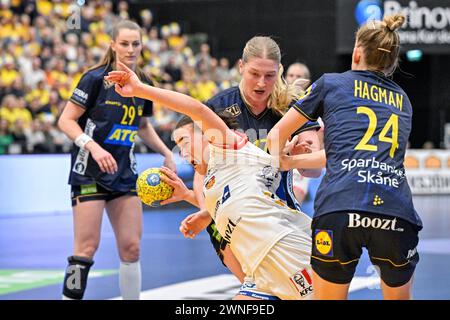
<point x="75" y="280"/>
<point x="217" y="241"/>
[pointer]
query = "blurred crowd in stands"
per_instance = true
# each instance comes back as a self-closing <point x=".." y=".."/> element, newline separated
<point x="45" y="46"/>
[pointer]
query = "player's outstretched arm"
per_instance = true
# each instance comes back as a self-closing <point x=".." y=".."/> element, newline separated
<point x="308" y="142"/>
<point x="128" y="84"/>
<point x="314" y="160"/>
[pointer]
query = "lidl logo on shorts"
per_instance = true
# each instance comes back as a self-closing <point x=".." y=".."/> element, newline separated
<point x="122" y="135"/>
<point x="323" y="242"/>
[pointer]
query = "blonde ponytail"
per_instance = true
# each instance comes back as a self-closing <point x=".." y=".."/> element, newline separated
<point x="283" y="93"/>
<point x="380" y="42"/>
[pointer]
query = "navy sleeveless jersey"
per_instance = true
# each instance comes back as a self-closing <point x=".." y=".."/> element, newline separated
<point x="367" y="120"/>
<point x="256" y="127"/>
<point x="112" y="121"/>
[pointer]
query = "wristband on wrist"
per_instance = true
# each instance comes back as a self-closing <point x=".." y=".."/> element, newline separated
<point x="82" y="140"/>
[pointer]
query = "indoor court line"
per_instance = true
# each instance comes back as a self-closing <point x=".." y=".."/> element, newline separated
<point x="222" y="287"/>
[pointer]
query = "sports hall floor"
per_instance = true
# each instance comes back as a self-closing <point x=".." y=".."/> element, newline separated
<point x="33" y="251"/>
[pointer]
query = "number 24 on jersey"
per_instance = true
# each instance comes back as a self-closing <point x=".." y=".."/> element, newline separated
<point x="391" y="123"/>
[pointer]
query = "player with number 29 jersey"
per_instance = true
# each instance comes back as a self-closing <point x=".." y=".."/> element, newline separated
<point x="113" y="121"/>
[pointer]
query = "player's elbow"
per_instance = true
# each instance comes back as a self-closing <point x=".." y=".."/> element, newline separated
<point x="61" y="124"/>
<point x="198" y="108"/>
<point x="143" y="125"/>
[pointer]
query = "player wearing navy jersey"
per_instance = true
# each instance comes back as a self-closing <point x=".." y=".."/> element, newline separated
<point x="103" y="173"/>
<point x="364" y="199"/>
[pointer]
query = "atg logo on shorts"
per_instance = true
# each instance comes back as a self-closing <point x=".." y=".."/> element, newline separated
<point x="122" y="135"/>
<point x="368" y="10"/>
<point x="323" y="242"/>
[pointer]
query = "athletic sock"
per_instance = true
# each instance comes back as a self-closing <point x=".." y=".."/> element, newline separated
<point x="130" y="280"/>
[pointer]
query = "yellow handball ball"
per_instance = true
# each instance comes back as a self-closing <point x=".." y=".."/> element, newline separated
<point x="151" y="189"/>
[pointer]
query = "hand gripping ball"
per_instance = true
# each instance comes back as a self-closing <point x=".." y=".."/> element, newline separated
<point x="151" y="189"/>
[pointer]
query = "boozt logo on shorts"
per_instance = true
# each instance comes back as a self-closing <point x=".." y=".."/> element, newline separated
<point x="355" y="221"/>
<point x="323" y="242"/>
<point x="302" y="281"/>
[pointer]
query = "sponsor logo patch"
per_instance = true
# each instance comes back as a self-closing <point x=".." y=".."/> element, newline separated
<point x="323" y="242"/>
<point x="122" y="135"/>
<point x="88" y="189"/>
<point x="411" y="253"/>
<point x="234" y="110"/>
<point x="303" y="282"/>
<point x="210" y="183"/>
<point x="107" y="84"/>
<point x="377" y="201"/>
<point x="270" y="175"/>
<point x="356" y="221"/>
<point x="230" y="228"/>
<point x="80" y="96"/>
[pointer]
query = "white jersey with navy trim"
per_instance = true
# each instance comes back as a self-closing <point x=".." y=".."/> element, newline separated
<point x="239" y="191"/>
